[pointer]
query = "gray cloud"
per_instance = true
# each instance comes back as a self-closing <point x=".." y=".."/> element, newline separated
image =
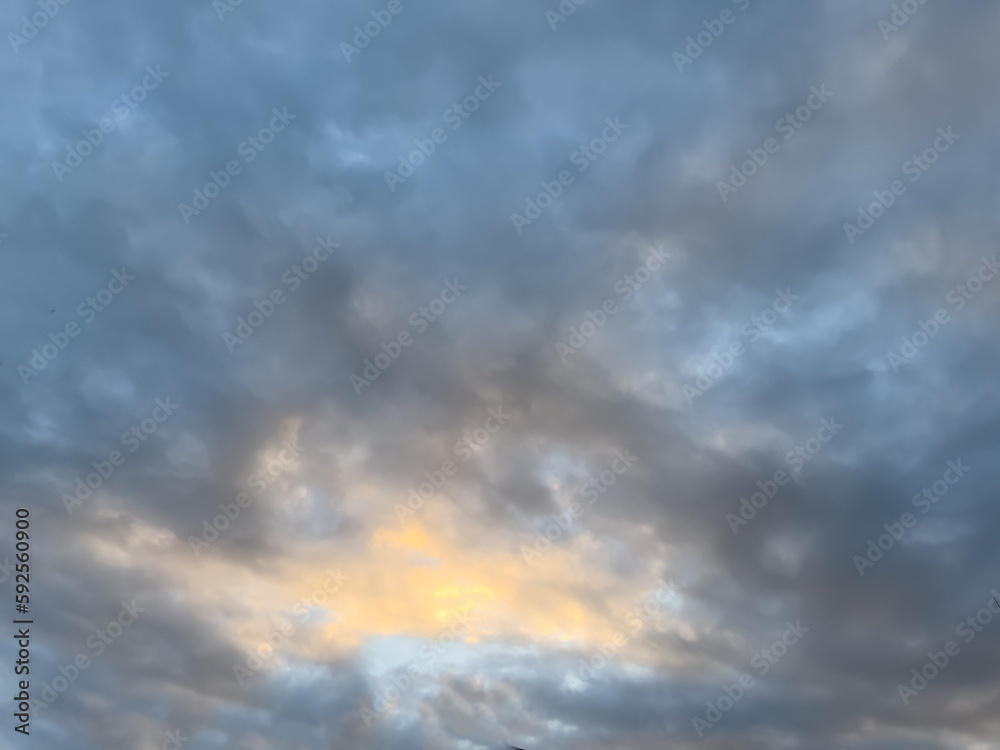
<point x="495" y="346"/>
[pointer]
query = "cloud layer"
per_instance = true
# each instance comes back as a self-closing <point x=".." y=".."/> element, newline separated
<point x="575" y="375"/>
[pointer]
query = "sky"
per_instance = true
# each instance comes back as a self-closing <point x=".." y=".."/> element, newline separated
<point x="450" y="375"/>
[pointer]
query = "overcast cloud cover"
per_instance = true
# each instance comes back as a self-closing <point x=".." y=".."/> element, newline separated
<point x="598" y="383"/>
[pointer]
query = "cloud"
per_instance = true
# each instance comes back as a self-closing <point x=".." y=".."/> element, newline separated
<point x="511" y="673"/>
